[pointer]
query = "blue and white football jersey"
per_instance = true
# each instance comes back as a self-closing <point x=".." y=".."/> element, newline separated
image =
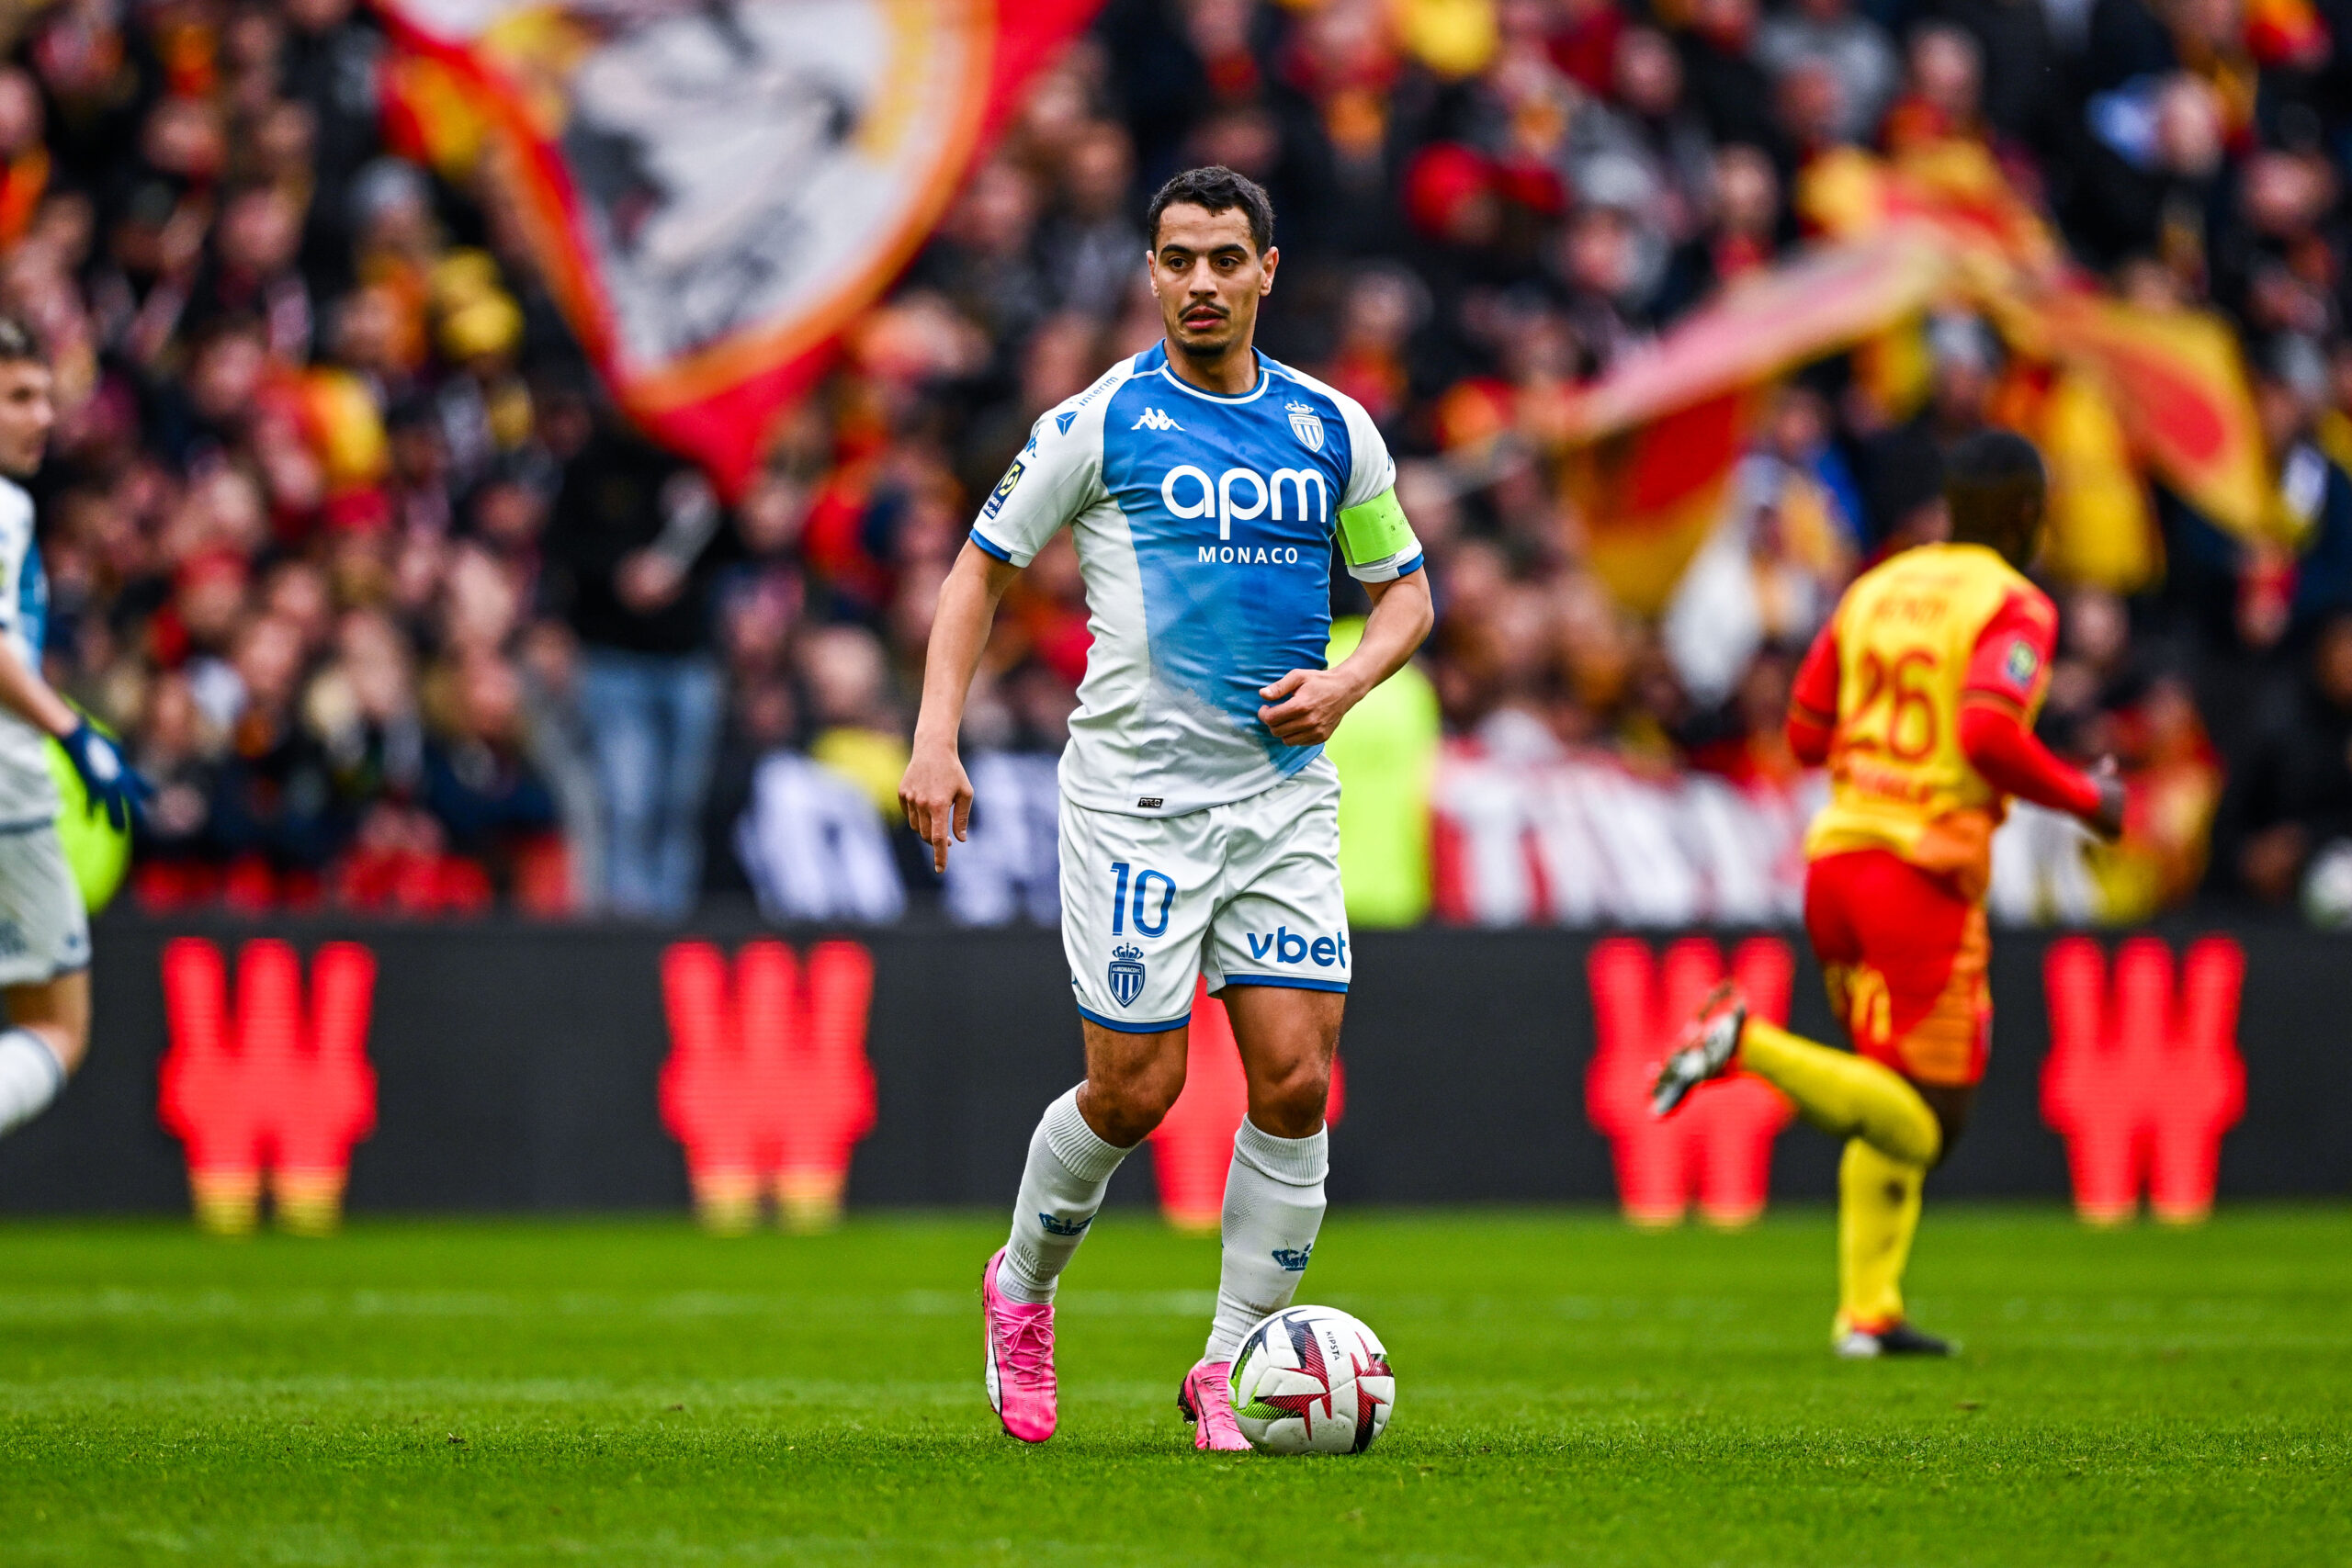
<point x="27" y="794"/>
<point x="1204" y="527"/>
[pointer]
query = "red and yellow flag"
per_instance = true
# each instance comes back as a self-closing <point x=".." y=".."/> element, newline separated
<point x="715" y="190"/>
<point x="2177" y="385"/>
<point x="1654" y="442"/>
<point x="2172" y="377"/>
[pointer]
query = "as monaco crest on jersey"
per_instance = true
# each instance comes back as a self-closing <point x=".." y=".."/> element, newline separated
<point x="1127" y="973"/>
<point x="1306" y="424"/>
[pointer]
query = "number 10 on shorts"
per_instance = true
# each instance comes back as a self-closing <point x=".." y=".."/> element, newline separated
<point x="1153" y="925"/>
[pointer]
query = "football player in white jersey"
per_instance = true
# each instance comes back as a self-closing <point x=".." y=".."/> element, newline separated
<point x="44" y="932"/>
<point x="1206" y="486"/>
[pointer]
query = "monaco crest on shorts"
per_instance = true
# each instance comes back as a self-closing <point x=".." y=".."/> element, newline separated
<point x="1306" y="424"/>
<point x="1127" y="973"/>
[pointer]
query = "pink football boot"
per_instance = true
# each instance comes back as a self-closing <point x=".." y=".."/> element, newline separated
<point x="1020" y="1359"/>
<point x="1207" y="1402"/>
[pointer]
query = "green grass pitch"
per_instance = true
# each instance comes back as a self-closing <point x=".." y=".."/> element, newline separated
<point x="1570" y="1391"/>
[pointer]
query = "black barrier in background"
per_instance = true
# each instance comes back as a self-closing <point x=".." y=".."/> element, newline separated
<point x="516" y="1066"/>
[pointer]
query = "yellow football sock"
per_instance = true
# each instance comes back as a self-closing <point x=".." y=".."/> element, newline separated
<point x="1878" y="1210"/>
<point x="1844" y="1095"/>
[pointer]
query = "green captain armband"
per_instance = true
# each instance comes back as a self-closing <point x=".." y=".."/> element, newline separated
<point x="1375" y="530"/>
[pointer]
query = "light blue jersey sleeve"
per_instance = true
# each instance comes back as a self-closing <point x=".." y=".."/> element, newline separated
<point x="1056" y="476"/>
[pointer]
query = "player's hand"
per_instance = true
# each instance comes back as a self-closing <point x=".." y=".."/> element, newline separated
<point x="936" y="796"/>
<point x="111" y="783"/>
<point x="2108" y="822"/>
<point x="1304" y="707"/>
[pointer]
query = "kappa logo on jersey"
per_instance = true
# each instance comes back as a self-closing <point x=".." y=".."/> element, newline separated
<point x="1306" y="424"/>
<point x="1127" y="973"/>
<point x="1152" y="419"/>
<point x="1003" y="488"/>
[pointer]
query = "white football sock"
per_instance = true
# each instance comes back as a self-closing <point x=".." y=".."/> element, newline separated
<point x="1061" y="1187"/>
<point x="31" y="1077"/>
<point x="1273" y="1206"/>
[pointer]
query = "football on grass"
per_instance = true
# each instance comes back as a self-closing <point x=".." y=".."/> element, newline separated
<point x="1311" y="1379"/>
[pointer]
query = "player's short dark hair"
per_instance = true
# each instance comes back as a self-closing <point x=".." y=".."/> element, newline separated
<point x="1216" y="189"/>
<point x="1993" y="485"/>
<point x="19" y="344"/>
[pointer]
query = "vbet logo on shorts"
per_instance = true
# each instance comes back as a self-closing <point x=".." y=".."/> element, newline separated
<point x="1238" y="495"/>
<point x="1286" y="946"/>
<point x="1127" y="973"/>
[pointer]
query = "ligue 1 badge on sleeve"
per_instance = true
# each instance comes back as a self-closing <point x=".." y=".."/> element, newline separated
<point x="1003" y="488"/>
<point x="1306" y="424"/>
<point x="1127" y="973"/>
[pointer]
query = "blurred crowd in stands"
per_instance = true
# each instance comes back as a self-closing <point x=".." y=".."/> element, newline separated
<point x="398" y="617"/>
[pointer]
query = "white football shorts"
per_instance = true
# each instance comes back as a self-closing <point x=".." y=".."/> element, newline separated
<point x="44" y="930"/>
<point x="1247" y="894"/>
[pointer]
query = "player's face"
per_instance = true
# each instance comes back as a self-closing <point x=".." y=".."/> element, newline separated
<point x="26" y="414"/>
<point x="1208" y="279"/>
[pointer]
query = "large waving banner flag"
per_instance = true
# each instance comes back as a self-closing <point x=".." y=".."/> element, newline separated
<point x="1651" y="446"/>
<point x="716" y="188"/>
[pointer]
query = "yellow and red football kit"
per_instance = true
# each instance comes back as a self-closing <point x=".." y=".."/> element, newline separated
<point x="1924" y="686"/>
<point x="1920" y="695"/>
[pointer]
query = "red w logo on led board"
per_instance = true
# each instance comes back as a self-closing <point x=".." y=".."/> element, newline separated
<point x="270" y="1090"/>
<point x="2142" y="1082"/>
<point x="1718" y="1147"/>
<point x="767" y="1084"/>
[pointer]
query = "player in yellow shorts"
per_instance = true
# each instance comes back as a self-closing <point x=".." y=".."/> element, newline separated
<point x="1920" y="695"/>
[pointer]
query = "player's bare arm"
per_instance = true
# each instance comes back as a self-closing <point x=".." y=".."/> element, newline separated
<point x="937" y="793"/>
<point x="2108" y="821"/>
<point x="30" y="697"/>
<point x="1305" y="706"/>
<point x="27" y="414"/>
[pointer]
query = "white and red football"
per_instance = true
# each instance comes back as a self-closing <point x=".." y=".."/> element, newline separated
<point x="1311" y="1379"/>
